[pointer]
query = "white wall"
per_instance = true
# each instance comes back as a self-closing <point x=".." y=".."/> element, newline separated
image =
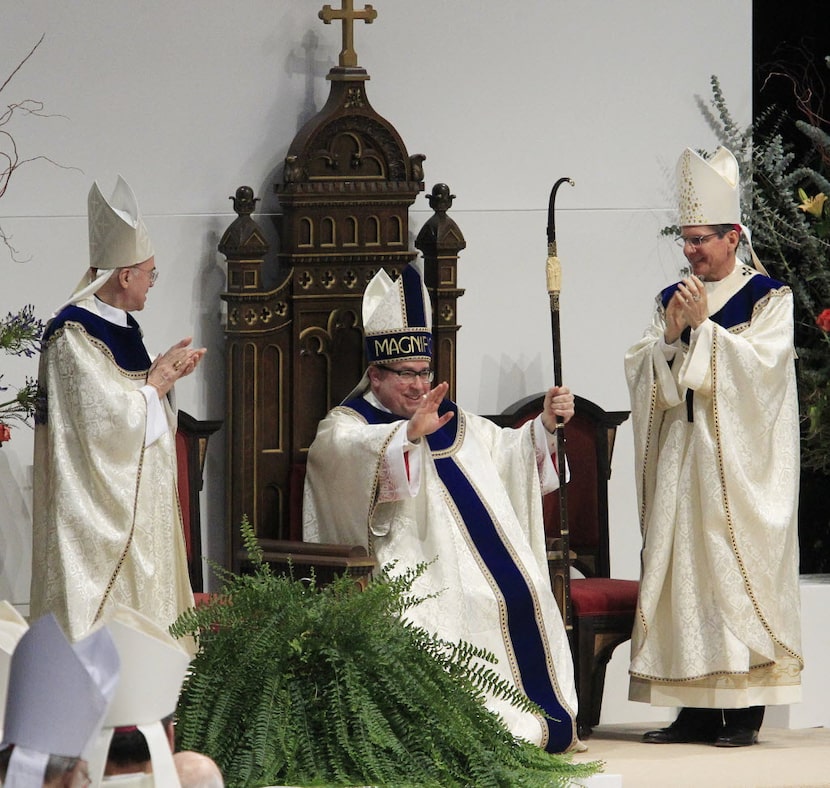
<point x="191" y="98"/>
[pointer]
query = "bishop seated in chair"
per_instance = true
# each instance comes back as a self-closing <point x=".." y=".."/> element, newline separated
<point x="402" y="470"/>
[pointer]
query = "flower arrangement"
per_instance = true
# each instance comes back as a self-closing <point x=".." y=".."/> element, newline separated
<point x="816" y="397"/>
<point x="818" y="208"/>
<point x="20" y="334"/>
<point x="785" y="205"/>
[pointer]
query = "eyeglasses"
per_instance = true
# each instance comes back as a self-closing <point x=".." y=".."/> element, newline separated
<point x="409" y="375"/>
<point x="695" y="240"/>
<point x="153" y="274"/>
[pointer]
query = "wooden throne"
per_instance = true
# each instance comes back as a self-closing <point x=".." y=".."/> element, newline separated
<point x="295" y="351"/>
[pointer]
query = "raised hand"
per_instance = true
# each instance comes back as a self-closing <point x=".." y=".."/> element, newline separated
<point x="426" y="420"/>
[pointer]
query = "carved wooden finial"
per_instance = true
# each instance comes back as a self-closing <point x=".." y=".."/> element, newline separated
<point x="347" y="14"/>
<point x="244" y="201"/>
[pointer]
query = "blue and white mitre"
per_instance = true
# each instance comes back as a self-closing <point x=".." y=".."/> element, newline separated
<point x="397" y="321"/>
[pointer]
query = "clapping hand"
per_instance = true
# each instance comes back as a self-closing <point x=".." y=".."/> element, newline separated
<point x="178" y="361"/>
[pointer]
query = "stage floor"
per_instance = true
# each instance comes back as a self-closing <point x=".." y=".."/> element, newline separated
<point x="781" y="759"/>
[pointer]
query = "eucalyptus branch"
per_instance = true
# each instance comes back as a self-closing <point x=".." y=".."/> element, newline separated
<point x="793" y="244"/>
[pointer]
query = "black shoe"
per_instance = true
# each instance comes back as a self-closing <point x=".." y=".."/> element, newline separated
<point x="679" y="734"/>
<point x="732" y="736"/>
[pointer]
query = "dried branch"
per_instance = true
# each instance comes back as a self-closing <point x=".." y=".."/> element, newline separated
<point x="10" y="159"/>
<point x="21" y="63"/>
<point x="798" y="65"/>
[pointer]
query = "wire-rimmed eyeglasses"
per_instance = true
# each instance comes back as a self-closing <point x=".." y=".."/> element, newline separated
<point x="153" y="274"/>
<point x="409" y="375"/>
<point x="695" y="241"/>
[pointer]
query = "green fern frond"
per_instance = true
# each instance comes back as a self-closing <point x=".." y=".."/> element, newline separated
<point x="301" y="685"/>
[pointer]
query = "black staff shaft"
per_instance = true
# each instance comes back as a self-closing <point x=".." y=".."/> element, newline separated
<point x="554" y="279"/>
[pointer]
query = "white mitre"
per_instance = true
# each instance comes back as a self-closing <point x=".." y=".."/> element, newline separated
<point x="12" y="627"/>
<point x="709" y="192"/>
<point x="153" y="667"/>
<point x="118" y="237"/>
<point x="58" y="695"/>
<point x="708" y="189"/>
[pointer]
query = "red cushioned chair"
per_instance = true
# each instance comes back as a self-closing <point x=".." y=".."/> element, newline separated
<point x="602" y="608"/>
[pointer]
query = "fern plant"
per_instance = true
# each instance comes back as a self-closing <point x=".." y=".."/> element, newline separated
<point x="305" y="685"/>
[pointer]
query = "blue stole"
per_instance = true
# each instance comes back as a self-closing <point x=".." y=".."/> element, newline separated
<point x="525" y="632"/>
<point x="124" y="342"/>
<point x="736" y="311"/>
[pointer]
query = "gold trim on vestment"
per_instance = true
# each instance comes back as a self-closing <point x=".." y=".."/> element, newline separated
<point x="102" y="346"/>
<point x="345" y="409"/>
<point x="502" y="605"/>
<point x="128" y="544"/>
<point x="727" y="510"/>
<point x="774" y="673"/>
<point x="460" y="432"/>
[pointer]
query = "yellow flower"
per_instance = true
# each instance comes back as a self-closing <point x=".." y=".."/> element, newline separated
<point x="812" y="205"/>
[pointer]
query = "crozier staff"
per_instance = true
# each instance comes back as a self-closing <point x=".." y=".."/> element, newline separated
<point x="405" y="472"/>
<point x="715" y="413"/>
<point x="107" y="524"/>
<point x="553" y="270"/>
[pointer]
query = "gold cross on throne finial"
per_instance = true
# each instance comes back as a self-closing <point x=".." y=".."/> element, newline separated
<point x="348" y="57"/>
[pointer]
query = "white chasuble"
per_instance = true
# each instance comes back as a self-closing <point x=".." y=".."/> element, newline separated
<point x="716" y="441"/>
<point x="107" y="523"/>
<point x="475" y="513"/>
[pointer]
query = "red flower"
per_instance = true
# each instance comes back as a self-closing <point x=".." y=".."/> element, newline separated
<point x="823" y="320"/>
<point x="6" y="433"/>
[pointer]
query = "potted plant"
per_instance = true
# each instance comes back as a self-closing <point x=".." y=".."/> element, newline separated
<point x="305" y="685"/>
